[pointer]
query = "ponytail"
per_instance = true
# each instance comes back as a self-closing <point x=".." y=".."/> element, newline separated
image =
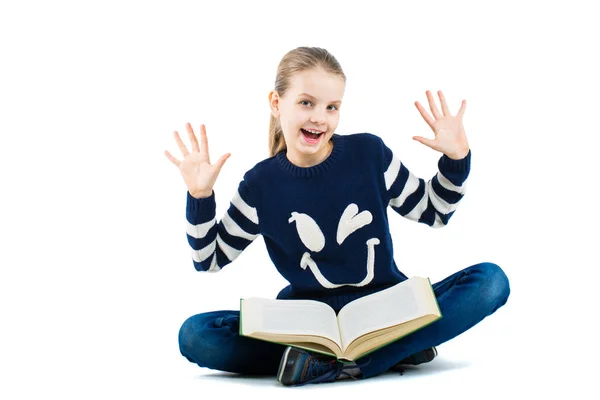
<point x="276" y="140"/>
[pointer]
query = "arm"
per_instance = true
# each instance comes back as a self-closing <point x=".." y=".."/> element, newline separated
<point x="216" y="244"/>
<point x="432" y="202"/>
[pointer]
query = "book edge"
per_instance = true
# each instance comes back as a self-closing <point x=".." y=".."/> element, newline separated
<point x="395" y="340"/>
<point x="430" y="286"/>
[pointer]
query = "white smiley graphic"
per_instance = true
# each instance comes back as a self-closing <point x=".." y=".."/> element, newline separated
<point x="312" y="237"/>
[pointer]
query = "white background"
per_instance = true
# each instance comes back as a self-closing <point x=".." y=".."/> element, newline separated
<point x="96" y="275"/>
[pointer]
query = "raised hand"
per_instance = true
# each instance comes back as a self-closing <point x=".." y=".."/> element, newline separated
<point x="450" y="137"/>
<point x="197" y="171"/>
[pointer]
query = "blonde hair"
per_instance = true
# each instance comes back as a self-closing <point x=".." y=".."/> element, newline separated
<point x="298" y="60"/>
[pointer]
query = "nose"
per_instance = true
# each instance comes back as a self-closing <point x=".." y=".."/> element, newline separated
<point x="318" y="117"/>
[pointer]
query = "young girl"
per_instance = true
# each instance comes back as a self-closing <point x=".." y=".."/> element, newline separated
<point x="320" y="201"/>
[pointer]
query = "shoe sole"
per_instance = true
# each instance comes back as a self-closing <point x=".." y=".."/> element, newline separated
<point x="282" y="363"/>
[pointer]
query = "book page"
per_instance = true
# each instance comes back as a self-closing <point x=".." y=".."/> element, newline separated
<point x="374" y="340"/>
<point x="292" y="317"/>
<point x="403" y="302"/>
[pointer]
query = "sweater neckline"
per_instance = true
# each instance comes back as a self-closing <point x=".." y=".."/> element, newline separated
<point x="307" y="172"/>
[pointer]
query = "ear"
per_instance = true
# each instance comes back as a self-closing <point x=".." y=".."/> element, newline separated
<point x="274" y="103"/>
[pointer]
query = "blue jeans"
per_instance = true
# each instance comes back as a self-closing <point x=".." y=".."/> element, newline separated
<point x="465" y="298"/>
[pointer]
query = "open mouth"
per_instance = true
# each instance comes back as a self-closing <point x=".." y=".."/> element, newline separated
<point x="311" y="137"/>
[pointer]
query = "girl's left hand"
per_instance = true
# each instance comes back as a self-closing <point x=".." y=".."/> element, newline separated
<point x="450" y="137"/>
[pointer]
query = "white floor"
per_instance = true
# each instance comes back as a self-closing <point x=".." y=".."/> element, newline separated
<point x="124" y="355"/>
<point x="461" y="371"/>
<point x="466" y="368"/>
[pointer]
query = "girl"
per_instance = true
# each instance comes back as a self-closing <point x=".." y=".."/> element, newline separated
<point x="320" y="201"/>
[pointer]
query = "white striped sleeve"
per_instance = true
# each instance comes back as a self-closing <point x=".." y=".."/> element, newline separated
<point x="432" y="202"/>
<point x="214" y="244"/>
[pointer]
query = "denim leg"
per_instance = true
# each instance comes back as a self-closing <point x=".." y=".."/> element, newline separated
<point x="212" y="340"/>
<point x="465" y="298"/>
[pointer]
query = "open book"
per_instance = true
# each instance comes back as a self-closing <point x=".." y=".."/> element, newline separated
<point x="361" y="327"/>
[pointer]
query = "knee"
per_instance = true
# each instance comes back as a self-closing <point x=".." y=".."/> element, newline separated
<point x="187" y="337"/>
<point x="495" y="287"/>
<point x="204" y="338"/>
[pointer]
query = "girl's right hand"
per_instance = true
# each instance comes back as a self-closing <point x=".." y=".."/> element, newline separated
<point x="198" y="173"/>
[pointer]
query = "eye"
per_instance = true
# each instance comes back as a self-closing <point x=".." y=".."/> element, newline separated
<point x="306" y="101"/>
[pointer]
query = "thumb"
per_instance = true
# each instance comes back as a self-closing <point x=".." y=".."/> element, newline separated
<point x="425" y="141"/>
<point x="222" y="160"/>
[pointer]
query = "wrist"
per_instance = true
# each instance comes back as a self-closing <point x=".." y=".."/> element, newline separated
<point x="201" y="195"/>
<point x="458" y="155"/>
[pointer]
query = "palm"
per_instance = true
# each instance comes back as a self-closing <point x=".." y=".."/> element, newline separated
<point x="450" y="137"/>
<point x="198" y="173"/>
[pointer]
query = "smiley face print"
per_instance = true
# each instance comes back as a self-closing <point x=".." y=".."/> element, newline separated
<point x="313" y="239"/>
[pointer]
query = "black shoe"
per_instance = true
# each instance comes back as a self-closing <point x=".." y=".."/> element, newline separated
<point x="416" y="359"/>
<point x="298" y="367"/>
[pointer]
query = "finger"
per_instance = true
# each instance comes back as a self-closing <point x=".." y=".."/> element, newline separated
<point x="445" y="109"/>
<point x="204" y="142"/>
<point x="222" y="160"/>
<point x="180" y="144"/>
<point x="434" y="109"/>
<point x="425" y="141"/>
<point x="172" y="159"/>
<point x="463" y="106"/>
<point x="424" y="114"/>
<point x="193" y="139"/>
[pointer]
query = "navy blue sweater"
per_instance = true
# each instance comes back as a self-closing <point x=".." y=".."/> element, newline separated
<point x="326" y="226"/>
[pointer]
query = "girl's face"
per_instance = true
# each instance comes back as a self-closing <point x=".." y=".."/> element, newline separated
<point x="312" y="102"/>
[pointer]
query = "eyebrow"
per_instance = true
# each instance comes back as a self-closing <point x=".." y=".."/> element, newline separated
<point x="314" y="98"/>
